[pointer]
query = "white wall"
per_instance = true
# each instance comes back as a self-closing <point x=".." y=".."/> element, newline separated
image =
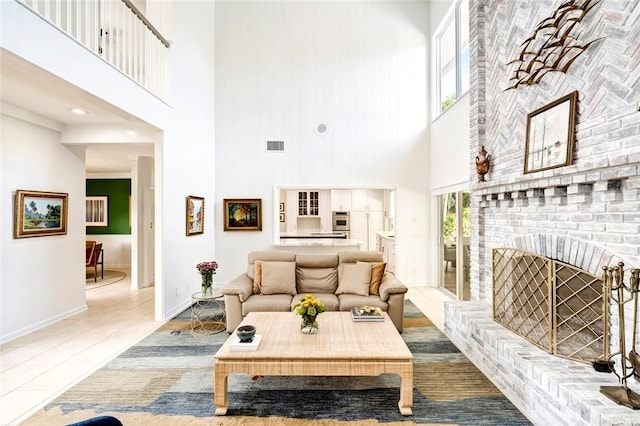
<point x="359" y="67"/>
<point x="185" y="137"/>
<point x="117" y="249"/>
<point x="188" y="166"/>
<point x="450" y="148"/>
<point x="37" y="284"/>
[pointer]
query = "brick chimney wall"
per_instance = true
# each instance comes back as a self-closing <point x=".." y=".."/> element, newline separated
<point x="597" y="198"/>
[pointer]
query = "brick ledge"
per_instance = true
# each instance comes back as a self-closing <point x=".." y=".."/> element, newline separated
<point x="546" y="388"/>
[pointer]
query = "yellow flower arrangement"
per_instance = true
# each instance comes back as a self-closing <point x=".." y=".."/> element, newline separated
<point x="309" y="307"/>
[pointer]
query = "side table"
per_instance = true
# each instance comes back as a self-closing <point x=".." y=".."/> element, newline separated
<point x="207" y="313"/>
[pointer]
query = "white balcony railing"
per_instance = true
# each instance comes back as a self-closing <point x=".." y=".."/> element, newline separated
<point x="116" y="31"/>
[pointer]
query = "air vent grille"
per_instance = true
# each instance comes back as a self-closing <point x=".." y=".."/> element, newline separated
<point x="275" y="146"/>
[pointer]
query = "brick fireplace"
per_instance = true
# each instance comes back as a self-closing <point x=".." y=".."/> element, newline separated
<point x="586" y="214"/>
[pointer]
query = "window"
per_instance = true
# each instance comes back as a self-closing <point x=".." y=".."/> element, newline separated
<point x="452" y="55"/>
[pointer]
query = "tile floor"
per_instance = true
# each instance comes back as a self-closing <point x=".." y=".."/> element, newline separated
<point x="38" y="367"/>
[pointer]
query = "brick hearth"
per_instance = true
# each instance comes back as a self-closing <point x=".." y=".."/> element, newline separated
<point x="547" y="389"/>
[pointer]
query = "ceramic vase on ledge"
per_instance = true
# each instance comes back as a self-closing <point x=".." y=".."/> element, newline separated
<point x="309" y="324"/>
<point x="207" y="285"/>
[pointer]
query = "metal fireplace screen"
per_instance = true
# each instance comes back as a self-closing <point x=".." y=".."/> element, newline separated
<point x="555" y="306"/>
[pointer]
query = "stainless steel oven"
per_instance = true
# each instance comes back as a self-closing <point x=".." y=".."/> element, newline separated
<point x="341" y="221"/>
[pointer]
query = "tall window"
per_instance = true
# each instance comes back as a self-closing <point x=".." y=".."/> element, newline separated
<point x="452" y="55"/>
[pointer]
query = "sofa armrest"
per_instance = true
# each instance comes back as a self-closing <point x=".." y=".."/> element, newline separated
<point x="242" y="286"/>
<point x="391" y="285"/>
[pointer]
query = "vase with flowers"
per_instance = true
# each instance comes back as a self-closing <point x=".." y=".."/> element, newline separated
<point x="207" y="271"/>
<point x="308" y="307"/>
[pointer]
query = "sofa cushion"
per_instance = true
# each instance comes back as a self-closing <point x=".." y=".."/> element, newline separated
<point x="377" y="272"/>
<point x="257" y="276"/>
<point x="267" y="303"/>
<point x="278" y="278"/>
<point x="352" y="256"/>
<point x="331" y="302"/>
<point x="316" y="273"/>
<point x="270" y="255"/>
<point x="348" y="301"/>
<point x="354" y="278"/>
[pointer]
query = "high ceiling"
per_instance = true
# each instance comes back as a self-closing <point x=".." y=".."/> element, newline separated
<point x="32" y="89"/>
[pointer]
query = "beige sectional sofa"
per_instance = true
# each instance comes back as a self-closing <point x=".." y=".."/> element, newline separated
<point x="276" y="279"/>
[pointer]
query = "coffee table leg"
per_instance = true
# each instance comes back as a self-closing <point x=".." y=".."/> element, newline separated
<point x="220" y="398"/>
<point x="406" y="392"/>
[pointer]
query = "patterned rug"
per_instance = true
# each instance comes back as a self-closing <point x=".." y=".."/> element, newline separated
<point x="167" y="379"/>
<point x="111" y="276"/>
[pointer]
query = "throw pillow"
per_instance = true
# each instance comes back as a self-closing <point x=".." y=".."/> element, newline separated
<point x="377" y="272"/>
<point x="354" y="278"/>
<point x="278" y="278"/>
<point x="257" y="276"/>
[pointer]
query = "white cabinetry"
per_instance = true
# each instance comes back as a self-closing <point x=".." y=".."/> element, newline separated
<point x="367" y="216"/>
<point x="341" y="200"/>
<point x="308" y="203"/>
<point x="387" y="245"/>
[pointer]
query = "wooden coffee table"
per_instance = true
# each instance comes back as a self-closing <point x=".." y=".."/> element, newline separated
<point x="341" y="348"/>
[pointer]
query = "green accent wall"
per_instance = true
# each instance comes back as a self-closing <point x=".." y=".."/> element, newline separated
<point x="119" y="192"/>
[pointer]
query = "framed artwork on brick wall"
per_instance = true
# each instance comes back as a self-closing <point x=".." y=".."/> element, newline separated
<point x="551" y="133"/>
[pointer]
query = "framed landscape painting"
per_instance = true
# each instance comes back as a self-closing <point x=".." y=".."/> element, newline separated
<point x="97" y="210"/>
<point x="39" y="214"/>
<point x="242" y="214"/>
<point x="195" y="215"/>
<point x="551" y="132"/>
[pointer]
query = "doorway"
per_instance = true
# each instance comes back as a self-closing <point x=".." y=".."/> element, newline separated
<point x="454" y="235"/>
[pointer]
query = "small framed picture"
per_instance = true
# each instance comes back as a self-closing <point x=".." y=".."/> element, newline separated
<point x="281" y="217"/>
<point x="39" y="214"/>
<point x="551" y="132"/>
<point x="242" y="214"/>
<point x="97" y="210"/>
<point x="195" y="215"/>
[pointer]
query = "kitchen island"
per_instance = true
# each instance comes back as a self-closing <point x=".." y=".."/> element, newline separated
<point x="313" y="235"/>
<point x="307" y="243"/>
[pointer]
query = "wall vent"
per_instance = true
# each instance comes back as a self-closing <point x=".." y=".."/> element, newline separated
<point x="275" y="146"/>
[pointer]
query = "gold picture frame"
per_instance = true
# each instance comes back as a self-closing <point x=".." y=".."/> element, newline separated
<point x="551" y="133"/>
<point x="243" y="214"/>
<point x="39" y="213"/>
<point x="195" y="215"/>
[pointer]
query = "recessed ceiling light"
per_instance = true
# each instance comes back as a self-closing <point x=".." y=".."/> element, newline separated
<point x="78" y="111"/>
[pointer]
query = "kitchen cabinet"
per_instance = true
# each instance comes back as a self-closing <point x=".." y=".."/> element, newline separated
<point x="341" y="200"/>
<point x="386" y="243"/>
<point x="364" y="226"/>
<point x="308" y="203"/>
<point x="367" y="200"/>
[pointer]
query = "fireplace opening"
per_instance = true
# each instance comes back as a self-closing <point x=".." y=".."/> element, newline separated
<point x="557" y="307"/>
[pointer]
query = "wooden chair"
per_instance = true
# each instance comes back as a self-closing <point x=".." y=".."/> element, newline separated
<point x="94" y="258"/>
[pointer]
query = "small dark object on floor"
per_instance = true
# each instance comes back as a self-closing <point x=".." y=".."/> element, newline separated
<point x="99" y="421"/>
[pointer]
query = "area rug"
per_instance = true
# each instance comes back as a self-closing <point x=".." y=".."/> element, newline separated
<point x="167" y="379"/>
<point x="111" y="276"/>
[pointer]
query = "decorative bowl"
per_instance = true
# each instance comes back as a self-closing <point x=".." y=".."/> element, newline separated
<point x="246" y="333"/>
